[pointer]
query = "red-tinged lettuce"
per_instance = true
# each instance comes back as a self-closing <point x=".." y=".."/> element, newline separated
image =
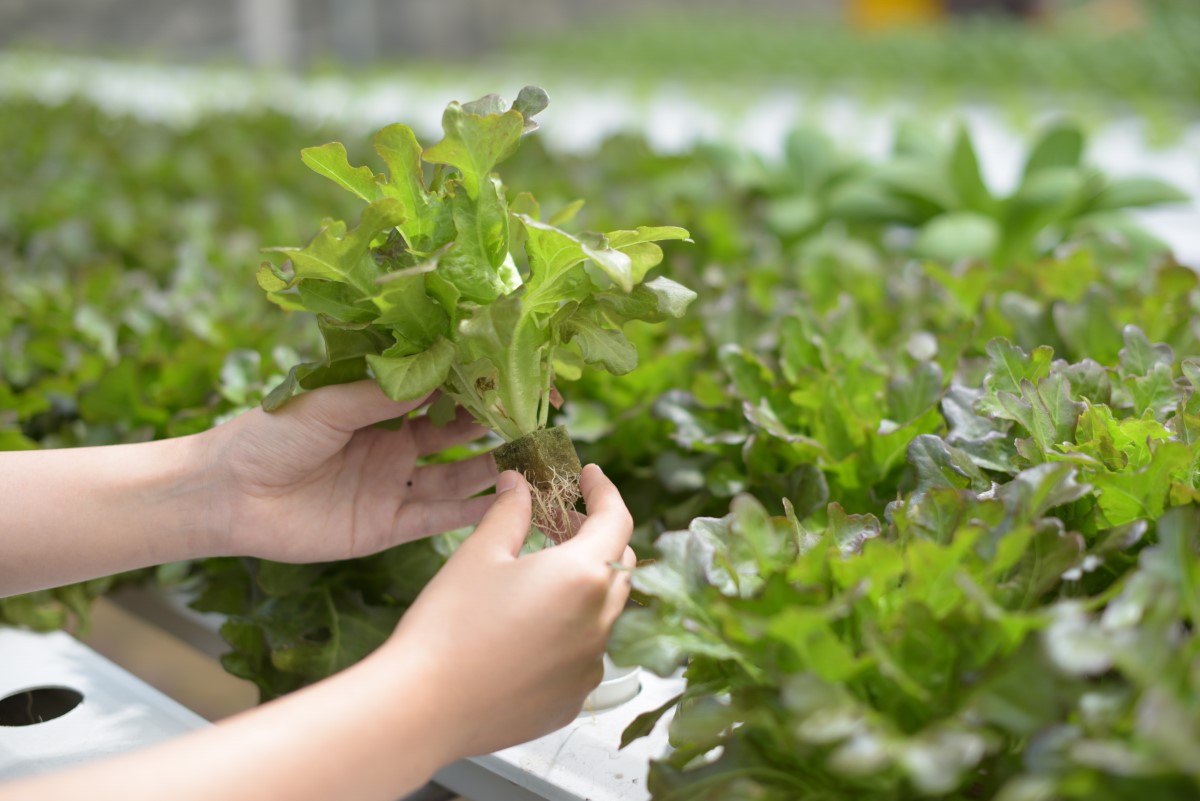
<point x="1019" y="624"/>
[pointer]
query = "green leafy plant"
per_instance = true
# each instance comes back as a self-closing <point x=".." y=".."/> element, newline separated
<point x="939" y="192"/>
<point x="426" y="292"/>
<point x="1018" y="623"/>
<point x="124" y="315"/>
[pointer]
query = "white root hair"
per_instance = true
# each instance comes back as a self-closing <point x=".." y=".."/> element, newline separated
<point x="554" y="505"/>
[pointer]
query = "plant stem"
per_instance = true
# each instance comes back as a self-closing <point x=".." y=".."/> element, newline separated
<point x="548" y="372"/>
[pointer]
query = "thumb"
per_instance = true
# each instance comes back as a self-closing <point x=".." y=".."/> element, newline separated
<point x="349" y="407"/>
<point x="506" y="524"/>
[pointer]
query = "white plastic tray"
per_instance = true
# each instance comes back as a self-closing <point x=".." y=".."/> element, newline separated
<point x="118" y="712"/>
<point x="578" y="763"/>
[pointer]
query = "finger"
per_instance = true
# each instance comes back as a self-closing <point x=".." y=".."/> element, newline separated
<point x="572" y="520"/>
<point x="622" y="583"/>
<point x="454" y="479"/>
<point x="349" y="407"/>
<point x="575" y="520"/>
<point x="417" y="520"/>
<point x="506" y="525"/>
<point x="429" y="438"/>
<point x="609" y="526"/>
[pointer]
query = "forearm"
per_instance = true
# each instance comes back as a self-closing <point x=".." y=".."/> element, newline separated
<point x="370" y="732"/>
<point x="79" y="513"/>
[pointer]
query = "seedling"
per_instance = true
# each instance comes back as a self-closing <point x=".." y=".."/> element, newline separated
<point x="447" y="284"/>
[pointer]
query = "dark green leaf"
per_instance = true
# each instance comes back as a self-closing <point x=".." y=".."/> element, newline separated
<point x="940" y="465"/>
<point x="643" y="724"/>
<point x="910" y="394"/>
<point x="850" y="532"/>
<point x="1139" y="356"/>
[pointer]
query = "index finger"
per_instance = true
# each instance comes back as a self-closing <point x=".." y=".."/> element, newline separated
<point x="608" y="526"/>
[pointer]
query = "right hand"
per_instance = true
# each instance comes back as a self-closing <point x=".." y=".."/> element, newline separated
<point x="512" y="646"/>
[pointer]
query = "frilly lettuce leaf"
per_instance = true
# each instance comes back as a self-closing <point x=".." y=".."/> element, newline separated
<point x="441" y="285"/>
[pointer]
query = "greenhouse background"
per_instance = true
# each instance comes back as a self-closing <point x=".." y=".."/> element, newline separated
<point x="668" y="70"/>
<point x="909" y="428"/>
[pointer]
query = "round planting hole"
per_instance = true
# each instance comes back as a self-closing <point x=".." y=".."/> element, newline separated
<point x="37" y="705"/>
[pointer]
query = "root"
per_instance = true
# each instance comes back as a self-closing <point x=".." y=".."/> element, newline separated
<point x="548" y="461"/>
<point x="554" y="505"/>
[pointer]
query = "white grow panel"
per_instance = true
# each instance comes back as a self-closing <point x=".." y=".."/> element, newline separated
<point x="578" y="763"/>
<point x="118" y="712"/>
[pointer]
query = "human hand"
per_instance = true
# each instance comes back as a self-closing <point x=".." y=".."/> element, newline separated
<point x="315" y="481"/>
<point x="510" y="646"/>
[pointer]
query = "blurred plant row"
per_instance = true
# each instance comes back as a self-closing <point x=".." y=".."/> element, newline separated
<point x="1151" y="68"/>
<point x="918" y="448"/>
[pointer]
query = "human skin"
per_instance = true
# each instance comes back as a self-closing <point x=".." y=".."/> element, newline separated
<point x="311" y="482"/>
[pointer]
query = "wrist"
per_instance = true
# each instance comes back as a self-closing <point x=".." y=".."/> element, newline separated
<point x="413" y="692"/>
<point x="189" y="497"/>
<point x="204" y="492"/>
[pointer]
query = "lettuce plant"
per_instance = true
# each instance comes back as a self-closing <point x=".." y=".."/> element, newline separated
<point x="984" y="584"/>
<point x="1020" y="623"/>
<point x="939" y="194"/>
<point x="445" y="284"/>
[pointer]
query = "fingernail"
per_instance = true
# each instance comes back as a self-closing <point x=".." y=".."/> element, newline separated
<point x="506" y="482"/>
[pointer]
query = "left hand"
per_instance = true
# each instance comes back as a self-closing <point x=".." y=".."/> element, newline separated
<point x="315" y="481"/>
